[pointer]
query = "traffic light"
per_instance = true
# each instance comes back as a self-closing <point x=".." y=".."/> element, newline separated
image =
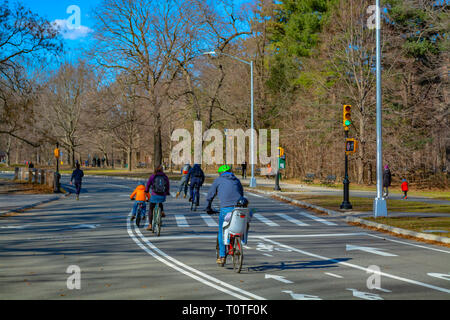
<point x="347" y="116"/>
<point x="280" y="152"/>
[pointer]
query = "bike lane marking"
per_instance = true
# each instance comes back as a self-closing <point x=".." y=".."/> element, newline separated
<point x="354" y="266"/>
<point x="181" y="221"/>
<point x="292" y="220"/>
<point x="208" y="280"/>
<point x="266" y="221"/>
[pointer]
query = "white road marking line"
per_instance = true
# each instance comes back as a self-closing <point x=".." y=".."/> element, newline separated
<point x="209" y="221"/>
<point x="293" y="220"/>
<point x="207" y="280"/>
<point x="181" y="221"/>
<point x="367" y="270"/>
<point x="377" y="251"/>
<point x="333" y="275"/>
<point x="409" y="244"/>
<point x="318" y="219"/>
<point x="256" y="195"/>
<point x="119" y="186"/>
<point x="265" y="220"/>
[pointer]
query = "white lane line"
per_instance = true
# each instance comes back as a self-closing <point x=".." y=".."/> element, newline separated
<point x="333" y="275"/>
<point x="256" y="195"/>
<point x="367" y="270"/>
<point x="293" y="220"/>
<point x="181" y="221"/>
<point x="207" y="280"/>
<point x="119" y="186"/>
<point x="265" y="220"/>
<point x="409" y="244"/>
<point x="209" y="221"/>
<point x="329" y="223"/>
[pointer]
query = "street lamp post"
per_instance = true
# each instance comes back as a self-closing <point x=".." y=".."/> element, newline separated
<point x="250" y="63"/>
<point x="379" y="204"/>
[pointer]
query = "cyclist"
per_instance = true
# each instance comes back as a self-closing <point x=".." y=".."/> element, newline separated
<point x="184" y="180"/>
<point x="160" y="185"/>
<point x="229" y="190"/>
<point x="196" y="177"/>
<point x="141" y="197"/>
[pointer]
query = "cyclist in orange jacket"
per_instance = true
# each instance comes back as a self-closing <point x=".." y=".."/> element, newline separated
<point x="141" y="197"/>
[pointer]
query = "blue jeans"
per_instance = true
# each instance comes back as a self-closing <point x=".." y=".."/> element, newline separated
<point x="222" y="214"/>
<point x="135" y="206"/>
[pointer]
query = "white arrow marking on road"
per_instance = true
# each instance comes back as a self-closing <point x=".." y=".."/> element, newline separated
<point x="279" y="278"/>
<point x="301" y="296"/>
<point x="365" y="295"/>
<point x="440" y="275"/>
<point x="371" y="250"/>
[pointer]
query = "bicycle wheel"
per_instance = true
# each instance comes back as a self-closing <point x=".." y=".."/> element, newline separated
<point x="157" y="220"/>
<point x="238" y="254"/>
<point x="138" y="217"/>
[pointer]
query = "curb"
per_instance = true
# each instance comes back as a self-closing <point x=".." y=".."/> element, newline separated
<point x="30" y="206"/>
<point x="404" y="232"/>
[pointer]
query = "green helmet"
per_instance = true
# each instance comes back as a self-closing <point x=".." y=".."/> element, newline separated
<point x="224" y="168"/>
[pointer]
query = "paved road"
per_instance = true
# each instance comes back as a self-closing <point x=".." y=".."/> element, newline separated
<point x="291" y="254"/>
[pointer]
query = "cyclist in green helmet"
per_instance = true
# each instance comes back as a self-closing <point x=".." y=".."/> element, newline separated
<point x="229" y="190"/>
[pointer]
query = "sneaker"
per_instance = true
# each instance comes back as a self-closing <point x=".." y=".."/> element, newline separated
<point x="132" y="218"/>
<point x="149" y="228"/>
<point x="178" y="193"/>
<point x="184" y="196"/>
<point x="163" y="214"/>
<point x="78" y="197"/>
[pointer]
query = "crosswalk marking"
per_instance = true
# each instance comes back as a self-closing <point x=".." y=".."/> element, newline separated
<point x="329" y="223"/>
<point x="181" y="221"/>
<point x="209" y="221"/>
<point x="265" y="220"/>
<point x="293" y="220"/>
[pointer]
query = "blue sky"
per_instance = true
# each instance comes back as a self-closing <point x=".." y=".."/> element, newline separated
<point x="74" y="37"/>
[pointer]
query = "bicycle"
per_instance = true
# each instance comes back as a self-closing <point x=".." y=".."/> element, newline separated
<point x="234" y="231"/>
<point x="156" y="221"/>
<point x="140" y="213"/>
<point x="195" y="197"/>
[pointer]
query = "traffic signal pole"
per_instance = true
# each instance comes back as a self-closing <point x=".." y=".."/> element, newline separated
<point x="346" y="202"/>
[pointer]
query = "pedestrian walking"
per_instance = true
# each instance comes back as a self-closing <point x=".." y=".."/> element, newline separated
<point x="77" y="176"/>
<point x="405" y="188"/>
<point x="244" y="170"/>
<point x="387" y="177"/>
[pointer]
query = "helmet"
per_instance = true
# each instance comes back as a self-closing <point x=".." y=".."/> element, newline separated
<point x="242" y="202"/>
<point x="141" y="183"/>
<point x="224" y="168"/>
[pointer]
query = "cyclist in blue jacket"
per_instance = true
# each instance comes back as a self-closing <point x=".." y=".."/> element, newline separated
<point x="229" y="190"/>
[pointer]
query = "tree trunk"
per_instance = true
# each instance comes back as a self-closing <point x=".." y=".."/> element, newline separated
<point x="157" y="151"/>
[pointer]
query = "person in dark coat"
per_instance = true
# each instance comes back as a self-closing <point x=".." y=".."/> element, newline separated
<point x="77" y="176"/>
<point x="159" y="184"/>
<point x="196" y="178"/>
<point x="387" y="177"/>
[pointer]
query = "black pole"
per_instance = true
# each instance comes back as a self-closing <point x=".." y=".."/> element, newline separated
<point x="346" y="203"/>
<point x="57" y="176"/>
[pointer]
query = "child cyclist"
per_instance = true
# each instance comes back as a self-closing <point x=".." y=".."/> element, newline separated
<point x="141" y="197"/>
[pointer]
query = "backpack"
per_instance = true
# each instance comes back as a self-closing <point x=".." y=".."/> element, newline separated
<point x="198" y="173"/>
<point x="159" y="184"/>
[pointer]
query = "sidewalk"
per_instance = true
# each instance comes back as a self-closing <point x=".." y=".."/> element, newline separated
<point x="16" y="198"/>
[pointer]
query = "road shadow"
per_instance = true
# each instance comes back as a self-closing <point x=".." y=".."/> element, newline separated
<point x="298" y="265"/>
